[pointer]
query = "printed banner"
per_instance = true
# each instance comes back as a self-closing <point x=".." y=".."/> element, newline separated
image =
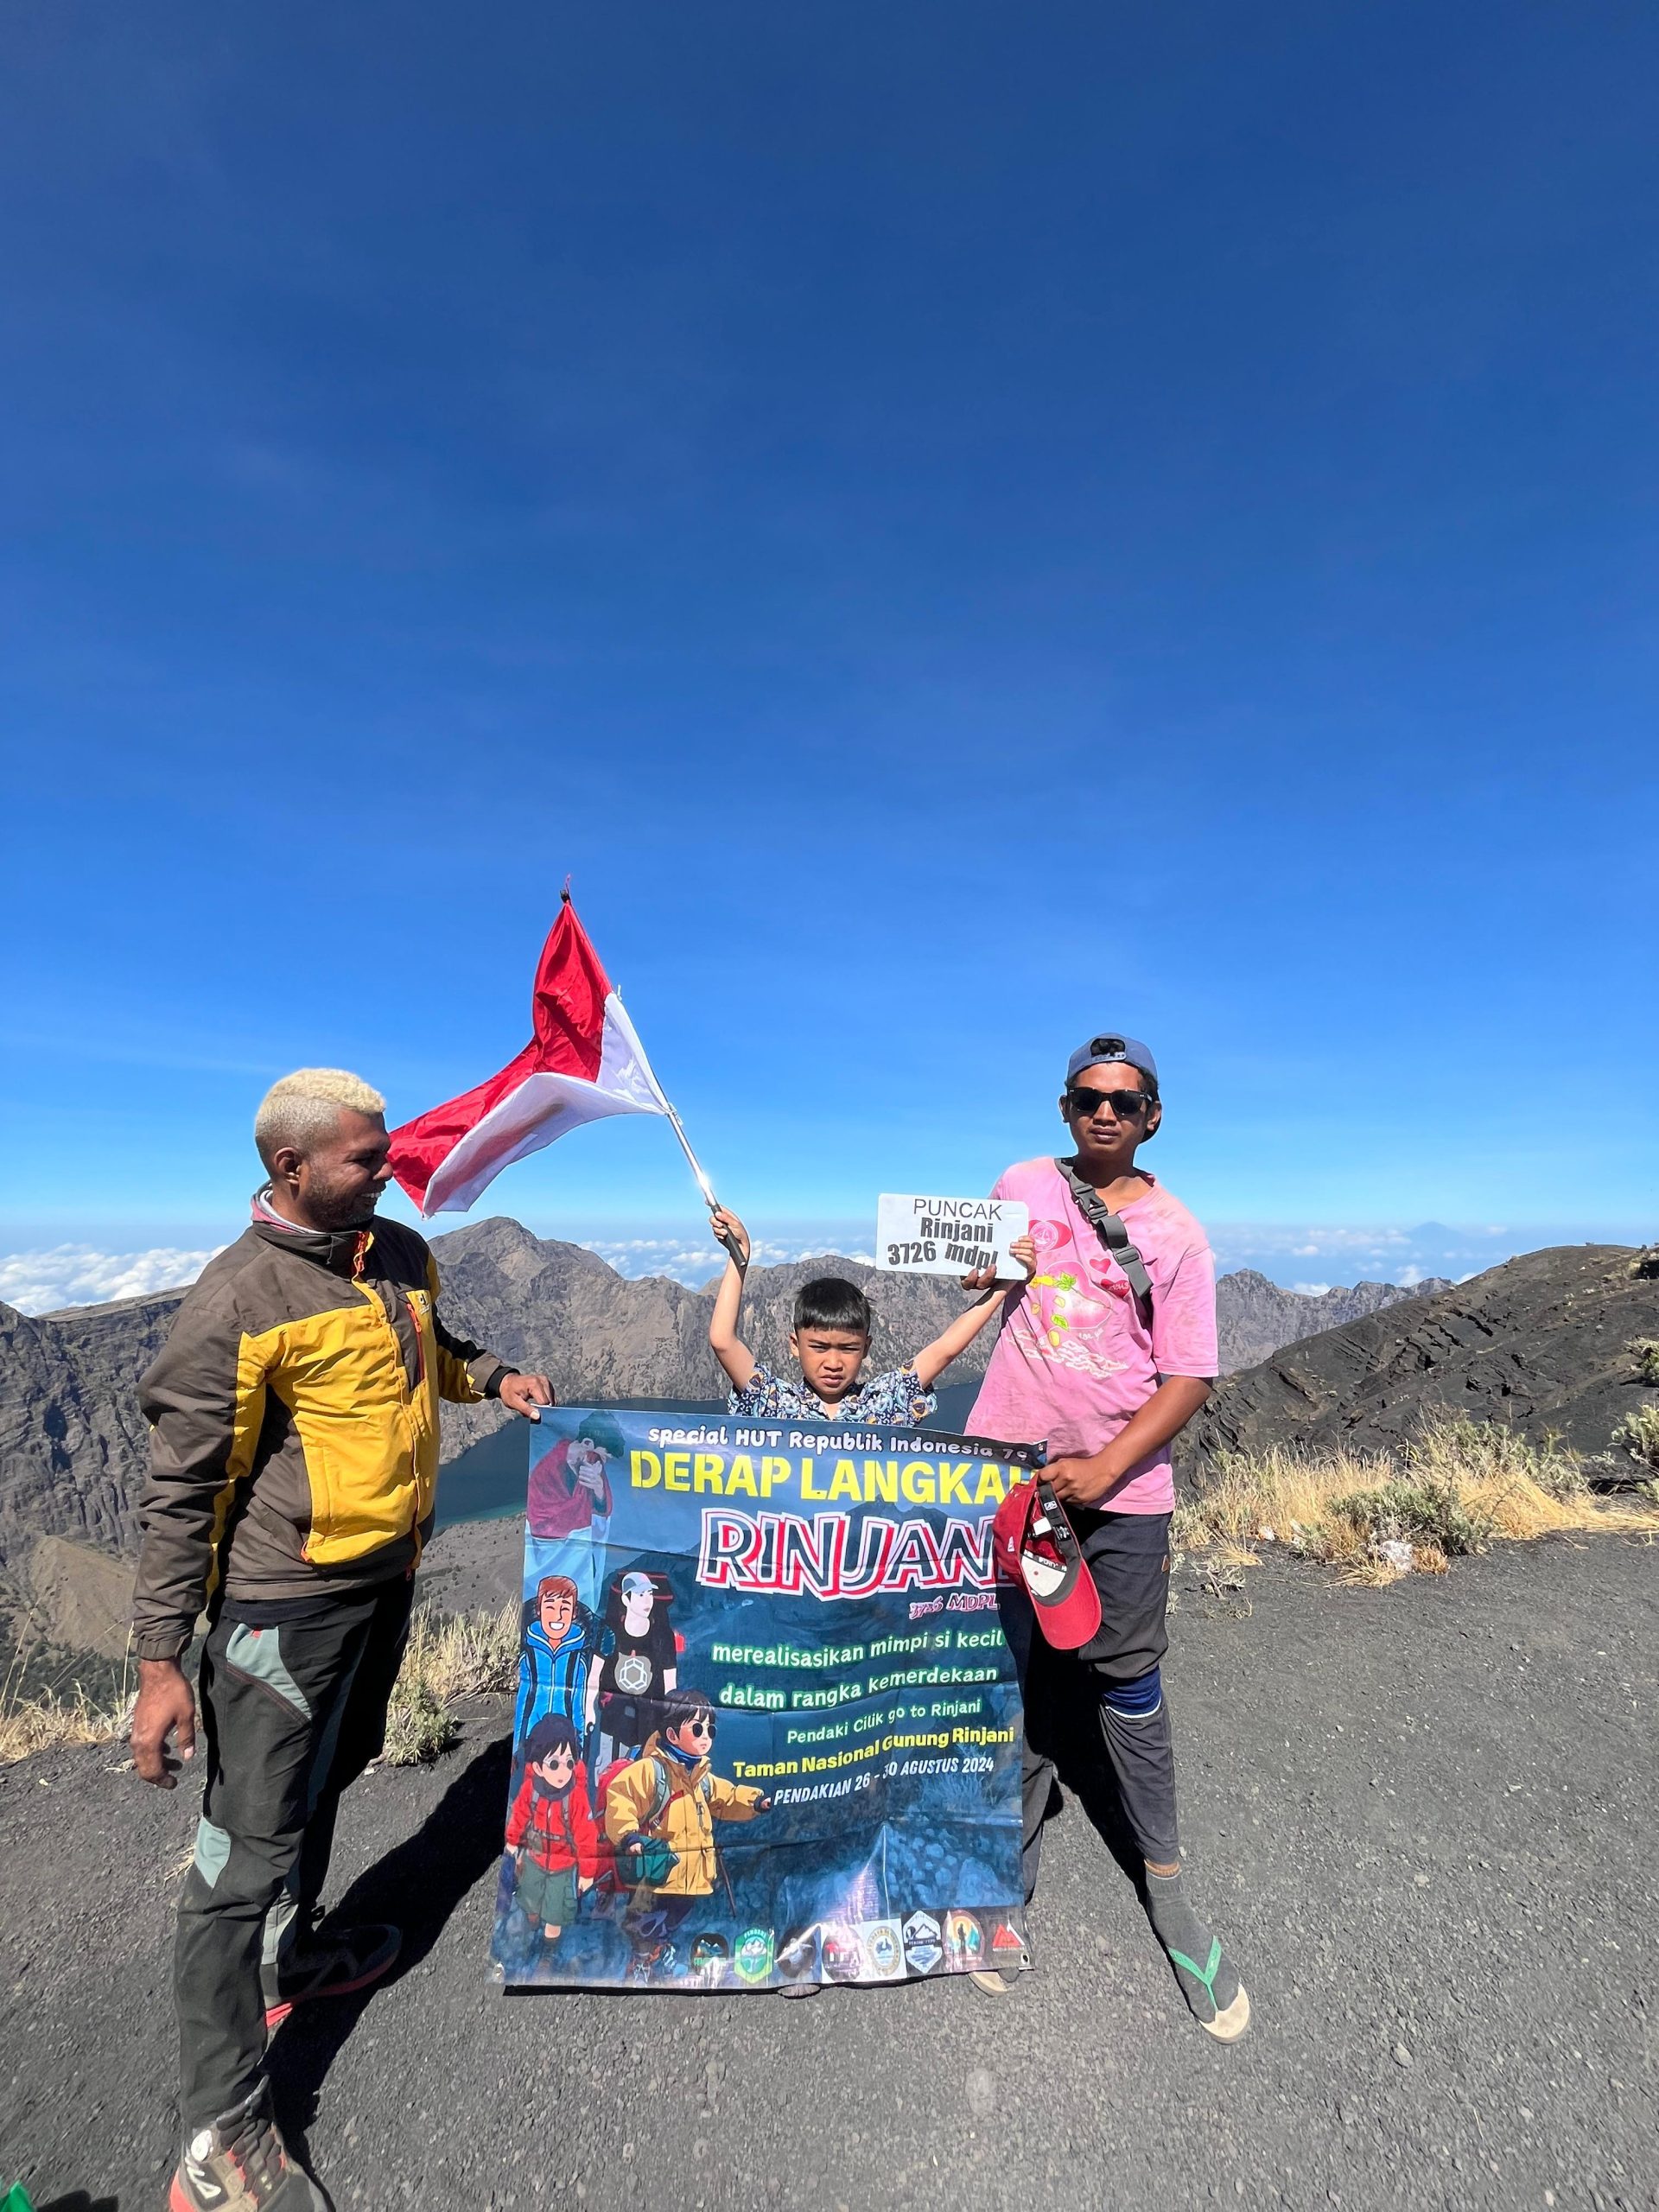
<point x="767" y="1727"/>
<point x="949" y="1237"/>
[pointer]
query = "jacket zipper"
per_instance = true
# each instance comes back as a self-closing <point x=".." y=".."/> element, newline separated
<point x="420" y="1384"/>
<point x="366" y="1237"/>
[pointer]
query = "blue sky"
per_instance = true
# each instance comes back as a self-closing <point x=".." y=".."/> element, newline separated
<point x="955" y="525"/>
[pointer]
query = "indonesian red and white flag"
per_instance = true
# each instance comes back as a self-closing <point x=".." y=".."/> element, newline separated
<point x="584" y="1062"/>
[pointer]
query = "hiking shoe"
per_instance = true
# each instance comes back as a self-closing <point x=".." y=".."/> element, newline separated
<point x="996" y="1981"/>
<point x="330" y="1965"/>
<point x="240" y="2164"/>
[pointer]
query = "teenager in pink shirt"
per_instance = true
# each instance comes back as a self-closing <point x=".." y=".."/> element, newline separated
<point x="1105" y="1357"/>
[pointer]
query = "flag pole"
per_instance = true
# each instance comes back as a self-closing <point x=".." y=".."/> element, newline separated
<point x="704" y="1184"/>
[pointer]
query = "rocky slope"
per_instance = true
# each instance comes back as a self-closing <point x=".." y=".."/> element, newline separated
<point x="72" y="1441"/>
<point x="1542" y="1341"/>
<point x="1255" y="1317"/>
<point x="72" y="1438"/>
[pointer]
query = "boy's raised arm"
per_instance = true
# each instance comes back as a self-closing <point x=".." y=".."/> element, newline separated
<point x="934" y="1358"/>
<point x="724" y="1342"/>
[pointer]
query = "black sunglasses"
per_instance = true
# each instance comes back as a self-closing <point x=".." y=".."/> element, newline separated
<point x="1126" y="1104"/>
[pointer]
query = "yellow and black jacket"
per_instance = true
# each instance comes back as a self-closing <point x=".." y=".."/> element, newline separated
<point x="294" y="1423"/>
<point x="660" y="1795"/>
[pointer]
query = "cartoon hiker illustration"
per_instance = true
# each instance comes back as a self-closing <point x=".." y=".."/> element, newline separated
<point x="551" y="1831"/>
<point x="568" y="1508"/>
<point x="640" y="1665"/>
<point x="561" y="1640"/>
<point x="659" y="1816"/>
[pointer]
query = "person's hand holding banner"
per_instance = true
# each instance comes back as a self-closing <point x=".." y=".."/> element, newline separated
<point x="526" y="1394"/>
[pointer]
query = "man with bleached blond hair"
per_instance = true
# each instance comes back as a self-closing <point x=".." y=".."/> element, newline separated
<point x="293" y="1457"/>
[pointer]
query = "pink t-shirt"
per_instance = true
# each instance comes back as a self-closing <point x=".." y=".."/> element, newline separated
<point x="1073" y="1360"/>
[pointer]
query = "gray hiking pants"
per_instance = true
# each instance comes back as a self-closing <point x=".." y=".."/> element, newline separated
<point x="291" y="1714"/>
<point x="1112" y="1684"/>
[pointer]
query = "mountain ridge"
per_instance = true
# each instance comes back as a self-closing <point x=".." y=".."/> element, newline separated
<point x="72" y="1442"/>
<point x="1542" y="1341"/>
<point x="1255" y="1315"/>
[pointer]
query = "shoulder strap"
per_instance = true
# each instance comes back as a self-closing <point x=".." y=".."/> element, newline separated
<point x="1109" y="1227"/>
<point x="662" y="1792"/>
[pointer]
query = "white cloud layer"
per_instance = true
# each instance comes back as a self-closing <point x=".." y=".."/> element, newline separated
<point x="693" y="1263"/>
<point x="1341" y="1253"/>
<point x="80" y="1274"/>
<point x="76" y="1274"/>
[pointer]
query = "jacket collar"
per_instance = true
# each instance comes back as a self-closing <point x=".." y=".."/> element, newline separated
<point x="342" y="1251"/>
<point x="680" y="1774"/>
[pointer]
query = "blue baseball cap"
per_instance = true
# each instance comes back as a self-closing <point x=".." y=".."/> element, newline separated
<point x="1111" y="1044"/>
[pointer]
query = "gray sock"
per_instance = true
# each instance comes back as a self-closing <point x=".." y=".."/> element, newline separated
<point x="1208" y="1979"/>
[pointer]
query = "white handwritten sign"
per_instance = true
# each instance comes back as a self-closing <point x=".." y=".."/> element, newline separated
<point x="949" y="1237"/>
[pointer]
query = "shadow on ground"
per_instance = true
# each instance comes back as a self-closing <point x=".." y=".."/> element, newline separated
<point x="418" y="1886"/>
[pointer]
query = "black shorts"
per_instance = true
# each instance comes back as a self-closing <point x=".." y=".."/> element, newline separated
<point x="1128" y="1557"/>
<point x="1065" y="1691"/>
<point x="1128" y="1554"/>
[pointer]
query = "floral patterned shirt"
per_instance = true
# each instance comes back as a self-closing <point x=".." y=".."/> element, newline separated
<point x="894" y="1399"/>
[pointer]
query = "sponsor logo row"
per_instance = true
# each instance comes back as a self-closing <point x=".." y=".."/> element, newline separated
<point x="956" y="1942"/>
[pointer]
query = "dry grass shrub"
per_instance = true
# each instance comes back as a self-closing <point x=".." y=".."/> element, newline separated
<point x="1638" y="1435"/>
<point x="1644" y="1351"/>
<point x="418" y="1727"/>
<point x="44" y="1722"/>
<point x="41" y="1705"/>
<point x="1416" y="1509"/>
<point x="449" y="1657"/>
<point x="1462" y="1485"/>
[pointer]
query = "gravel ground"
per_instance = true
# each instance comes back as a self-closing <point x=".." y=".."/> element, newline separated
<point x="1423" y="1816"/>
